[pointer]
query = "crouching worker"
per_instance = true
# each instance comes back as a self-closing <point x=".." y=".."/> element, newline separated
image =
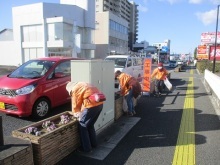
<point x="87" y="109"/>
<point x="129" y="88"/>
<point x="159" y="74"/>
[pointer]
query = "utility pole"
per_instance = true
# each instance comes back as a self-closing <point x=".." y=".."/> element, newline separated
<point x="216" y="35"/>
<point x="159" y="54"/>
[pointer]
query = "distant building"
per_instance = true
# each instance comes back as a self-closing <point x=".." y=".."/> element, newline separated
<point x="163" y="50"/>
<point x="6" y="35"/>
<point x="133" y="25"/>
<point x="116" y="27"/>
<point x="140" y="46"/>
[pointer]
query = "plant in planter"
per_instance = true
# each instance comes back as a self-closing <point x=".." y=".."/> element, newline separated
<point x="33" y="131"/>
<point x="64" y="119"/>
<point x="52" y="146"/>
<point x="49" y="125"/>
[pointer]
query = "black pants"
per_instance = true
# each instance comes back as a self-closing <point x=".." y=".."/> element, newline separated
<point x="159" y="85"/>
<point x="87" y="131"/>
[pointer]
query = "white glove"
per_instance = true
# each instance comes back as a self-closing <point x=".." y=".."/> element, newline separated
<point x="76" y="114"/>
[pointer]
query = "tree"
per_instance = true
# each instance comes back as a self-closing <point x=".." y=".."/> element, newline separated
<point x="195" y="53"/>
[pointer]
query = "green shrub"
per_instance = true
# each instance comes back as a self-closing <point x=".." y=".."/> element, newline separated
<point x="207" y="64"/>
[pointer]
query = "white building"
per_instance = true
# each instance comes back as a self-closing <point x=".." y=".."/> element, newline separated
<point x="49" y="29"/>
<point x="163" y="49"/>
<point x="162" y="45"/>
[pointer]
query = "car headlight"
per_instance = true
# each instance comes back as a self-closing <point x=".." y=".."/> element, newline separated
<point x="25" y="90"/>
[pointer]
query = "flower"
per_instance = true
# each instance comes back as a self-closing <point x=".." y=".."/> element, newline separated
<point x="64" y="119"/>
<point x="33" y="131"/>
<point x="49" y="125"/>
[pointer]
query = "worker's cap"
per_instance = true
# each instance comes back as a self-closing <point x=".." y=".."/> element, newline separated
<point x="160" y="64"/>
<point x="70" y="86"/>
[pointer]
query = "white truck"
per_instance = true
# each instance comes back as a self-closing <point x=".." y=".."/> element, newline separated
<point x="131" y="65"/>
<point x="172" y="58"/>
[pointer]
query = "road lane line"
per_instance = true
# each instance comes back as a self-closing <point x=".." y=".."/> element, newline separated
<point x="185" y="148"/>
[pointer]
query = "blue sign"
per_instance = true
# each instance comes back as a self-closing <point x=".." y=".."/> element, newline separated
<point x="165" y="49"/>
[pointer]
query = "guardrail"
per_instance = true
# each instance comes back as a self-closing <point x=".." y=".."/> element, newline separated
<point x="212" y="84"/>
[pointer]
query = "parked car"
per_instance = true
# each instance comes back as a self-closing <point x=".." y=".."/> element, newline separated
<point x="173" y="64"/>
<point x="36" y="87"/>
<point x="179" y="62"/>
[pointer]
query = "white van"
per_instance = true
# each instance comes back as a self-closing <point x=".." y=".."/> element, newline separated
<point x="131" y="65"/>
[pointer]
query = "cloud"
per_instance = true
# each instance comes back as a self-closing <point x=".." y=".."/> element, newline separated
<point x="171" y="1"/>
<point x="145" y="1"/>
<point x="195" y="1"/>
<point x="215" y="2"/>
<point x="208" y="17"/>
<point x="142" y="8"/>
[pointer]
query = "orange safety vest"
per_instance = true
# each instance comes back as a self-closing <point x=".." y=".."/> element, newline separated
<point x="159" y="75"/>
<point x="80" y="96"/>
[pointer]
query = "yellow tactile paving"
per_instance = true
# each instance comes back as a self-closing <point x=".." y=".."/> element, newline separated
<point x="185" y="148"/>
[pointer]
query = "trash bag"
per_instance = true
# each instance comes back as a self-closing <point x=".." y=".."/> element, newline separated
<point x="168" y="84"/>
<point x="125" y="105"/>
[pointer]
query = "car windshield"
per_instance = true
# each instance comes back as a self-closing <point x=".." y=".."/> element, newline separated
<point x="173" y="62"/>
<point x="119" y="62"/>
<point x="32" y="69"/>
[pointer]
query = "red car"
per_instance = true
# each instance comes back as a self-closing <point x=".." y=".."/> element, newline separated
<point x="35" y="87"/>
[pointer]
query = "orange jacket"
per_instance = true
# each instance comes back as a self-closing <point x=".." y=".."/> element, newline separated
<point x="123" y="79"/>
<point x="80" y="93"/>
<point x="159" y="75"/>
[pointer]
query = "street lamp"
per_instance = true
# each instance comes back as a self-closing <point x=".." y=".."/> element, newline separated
<point x="216" y="31"/>
<point x="158" y="54"/>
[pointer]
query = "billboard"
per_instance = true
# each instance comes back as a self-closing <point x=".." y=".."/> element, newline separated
<point x="209" y="38"/>
<point x="202" y="52"/>
<point x="212" y="52"/>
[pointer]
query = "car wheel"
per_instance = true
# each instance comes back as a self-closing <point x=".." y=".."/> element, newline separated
<point x="41" y="108"/>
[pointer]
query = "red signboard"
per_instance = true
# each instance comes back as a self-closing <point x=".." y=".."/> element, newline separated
<point x="212" y="52"/>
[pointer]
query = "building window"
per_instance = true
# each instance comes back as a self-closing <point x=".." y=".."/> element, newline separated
<point x="118" y="27"/>
<point x="60" y="52"/>
<point x="31" y="53"/>
<point x="32" y="33"/>
<point x="60" y="31"/>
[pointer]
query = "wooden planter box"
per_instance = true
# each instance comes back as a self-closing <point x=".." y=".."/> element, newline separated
<point x="119" y="108"/>
<point x="51" y="147"/>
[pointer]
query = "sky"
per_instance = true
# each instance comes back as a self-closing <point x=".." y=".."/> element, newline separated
<point x="180" y="21"/>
